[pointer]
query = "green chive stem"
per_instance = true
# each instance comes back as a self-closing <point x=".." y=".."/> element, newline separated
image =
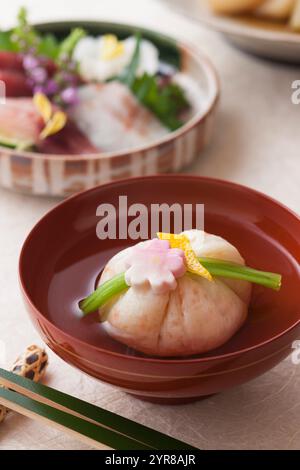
<point x="117" y="284"/>
<point x="236" y="271"/>
<point x="103" y="294"/>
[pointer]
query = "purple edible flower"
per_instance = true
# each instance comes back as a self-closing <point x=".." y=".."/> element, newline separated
<point x="39" y="75"/>
<point x="30" y="62"/>
<point x="39" y="89"/>
<point x="69" y="96"/>
<point x="51" y="87"/>
<point x="68" y="78"/>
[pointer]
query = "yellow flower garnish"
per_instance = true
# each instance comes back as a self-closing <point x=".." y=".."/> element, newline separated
<point x="43" y="106"/>
<point x="182" y="242"/>
<point x="54" y="121"/>
<point x="112" y="47"/>
<point x="54" y="125"/>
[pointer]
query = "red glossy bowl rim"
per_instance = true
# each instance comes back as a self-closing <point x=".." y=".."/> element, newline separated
<point x="202" y="60"/>
<point x="132" y="180"/>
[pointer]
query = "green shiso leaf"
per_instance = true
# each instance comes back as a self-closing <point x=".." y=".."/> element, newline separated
<point x="166" y="101"/>
<point x="117" y="284"/>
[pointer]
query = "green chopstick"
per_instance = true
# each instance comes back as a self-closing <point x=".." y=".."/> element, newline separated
<point x="112" y="430"/>
<point x="117" y="284"/>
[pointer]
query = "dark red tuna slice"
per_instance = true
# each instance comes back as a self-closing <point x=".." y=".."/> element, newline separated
<point x="14" y="61"/>
<point x="70" y="140"/>
<point x="16" y="83"/>
<point x="11" y="61"/>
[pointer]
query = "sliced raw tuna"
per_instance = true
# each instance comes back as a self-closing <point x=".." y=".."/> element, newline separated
<point x="11" y="61"/>
<point x="21" y="124"/>
<point x="16" y="83"/>
<point x="14" y="61"/>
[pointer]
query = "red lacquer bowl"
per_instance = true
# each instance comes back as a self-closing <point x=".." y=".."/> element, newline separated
<point x="62" y="258"/>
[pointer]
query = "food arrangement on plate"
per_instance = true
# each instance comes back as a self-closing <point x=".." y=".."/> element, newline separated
<point x="266" y="28"/>
<point x="285" y="11"/>
<point x="177" y="295"/>
<point x="91" y="102"/>
<point x="88" y="94"/>
<point x="175" y="317"/>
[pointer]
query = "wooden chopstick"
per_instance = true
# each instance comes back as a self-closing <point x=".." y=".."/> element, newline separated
<point x="65" y="411"/>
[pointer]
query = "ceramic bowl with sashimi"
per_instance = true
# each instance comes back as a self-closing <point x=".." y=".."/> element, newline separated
<point x="87" y="103"/>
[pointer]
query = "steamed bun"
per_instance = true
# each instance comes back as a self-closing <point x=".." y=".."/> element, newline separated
<point x="197" y="316"/>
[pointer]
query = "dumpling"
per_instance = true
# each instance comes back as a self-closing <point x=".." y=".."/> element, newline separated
<point x="192" y="316"/>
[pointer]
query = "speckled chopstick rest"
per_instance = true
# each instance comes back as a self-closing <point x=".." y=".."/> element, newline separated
<point x="32" y="364"/>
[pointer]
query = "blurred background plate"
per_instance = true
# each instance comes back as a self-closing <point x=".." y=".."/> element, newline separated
<point x="264" y="38"/>
<point x="62" y="175"/>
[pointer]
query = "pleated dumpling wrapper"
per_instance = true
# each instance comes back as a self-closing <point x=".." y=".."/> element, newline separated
<point x="187" y="315"/>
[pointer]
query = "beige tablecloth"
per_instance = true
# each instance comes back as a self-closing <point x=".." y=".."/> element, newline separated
<point x="256" y="142"/>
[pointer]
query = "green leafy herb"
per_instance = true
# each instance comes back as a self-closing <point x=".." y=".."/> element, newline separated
<point x="167" y="102"/>
<point x="15" y="143"/>
<point x="67" y="46"/>
<point x="49" y="46"/>
<point x="24" y="36"/>
<point x="6" y="44"/>
<point x="129" y="74"/>
<point x="117" y="284"/>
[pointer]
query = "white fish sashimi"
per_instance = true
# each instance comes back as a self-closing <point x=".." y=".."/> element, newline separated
<point x="113" y="119"/>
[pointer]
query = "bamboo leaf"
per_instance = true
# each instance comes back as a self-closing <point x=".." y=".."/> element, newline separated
<point x="122" y="433"/>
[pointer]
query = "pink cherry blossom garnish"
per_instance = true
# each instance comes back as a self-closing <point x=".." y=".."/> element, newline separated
<point x="156" y="264"/>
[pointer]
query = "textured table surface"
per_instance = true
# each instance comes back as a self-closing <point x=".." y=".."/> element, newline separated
<point x="256" y="143"/>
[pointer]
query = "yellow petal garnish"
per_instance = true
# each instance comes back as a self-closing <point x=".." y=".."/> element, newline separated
<point x="112" y="47"/>
<point x="182" y="242"/>
<point x="54" y="121"/>
<point x="54" y="125"/>
<point x="43" y="106"/>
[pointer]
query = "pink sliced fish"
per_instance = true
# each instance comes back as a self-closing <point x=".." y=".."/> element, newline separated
<point x="19" y="120"/>
<point x="21" y="123"/>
